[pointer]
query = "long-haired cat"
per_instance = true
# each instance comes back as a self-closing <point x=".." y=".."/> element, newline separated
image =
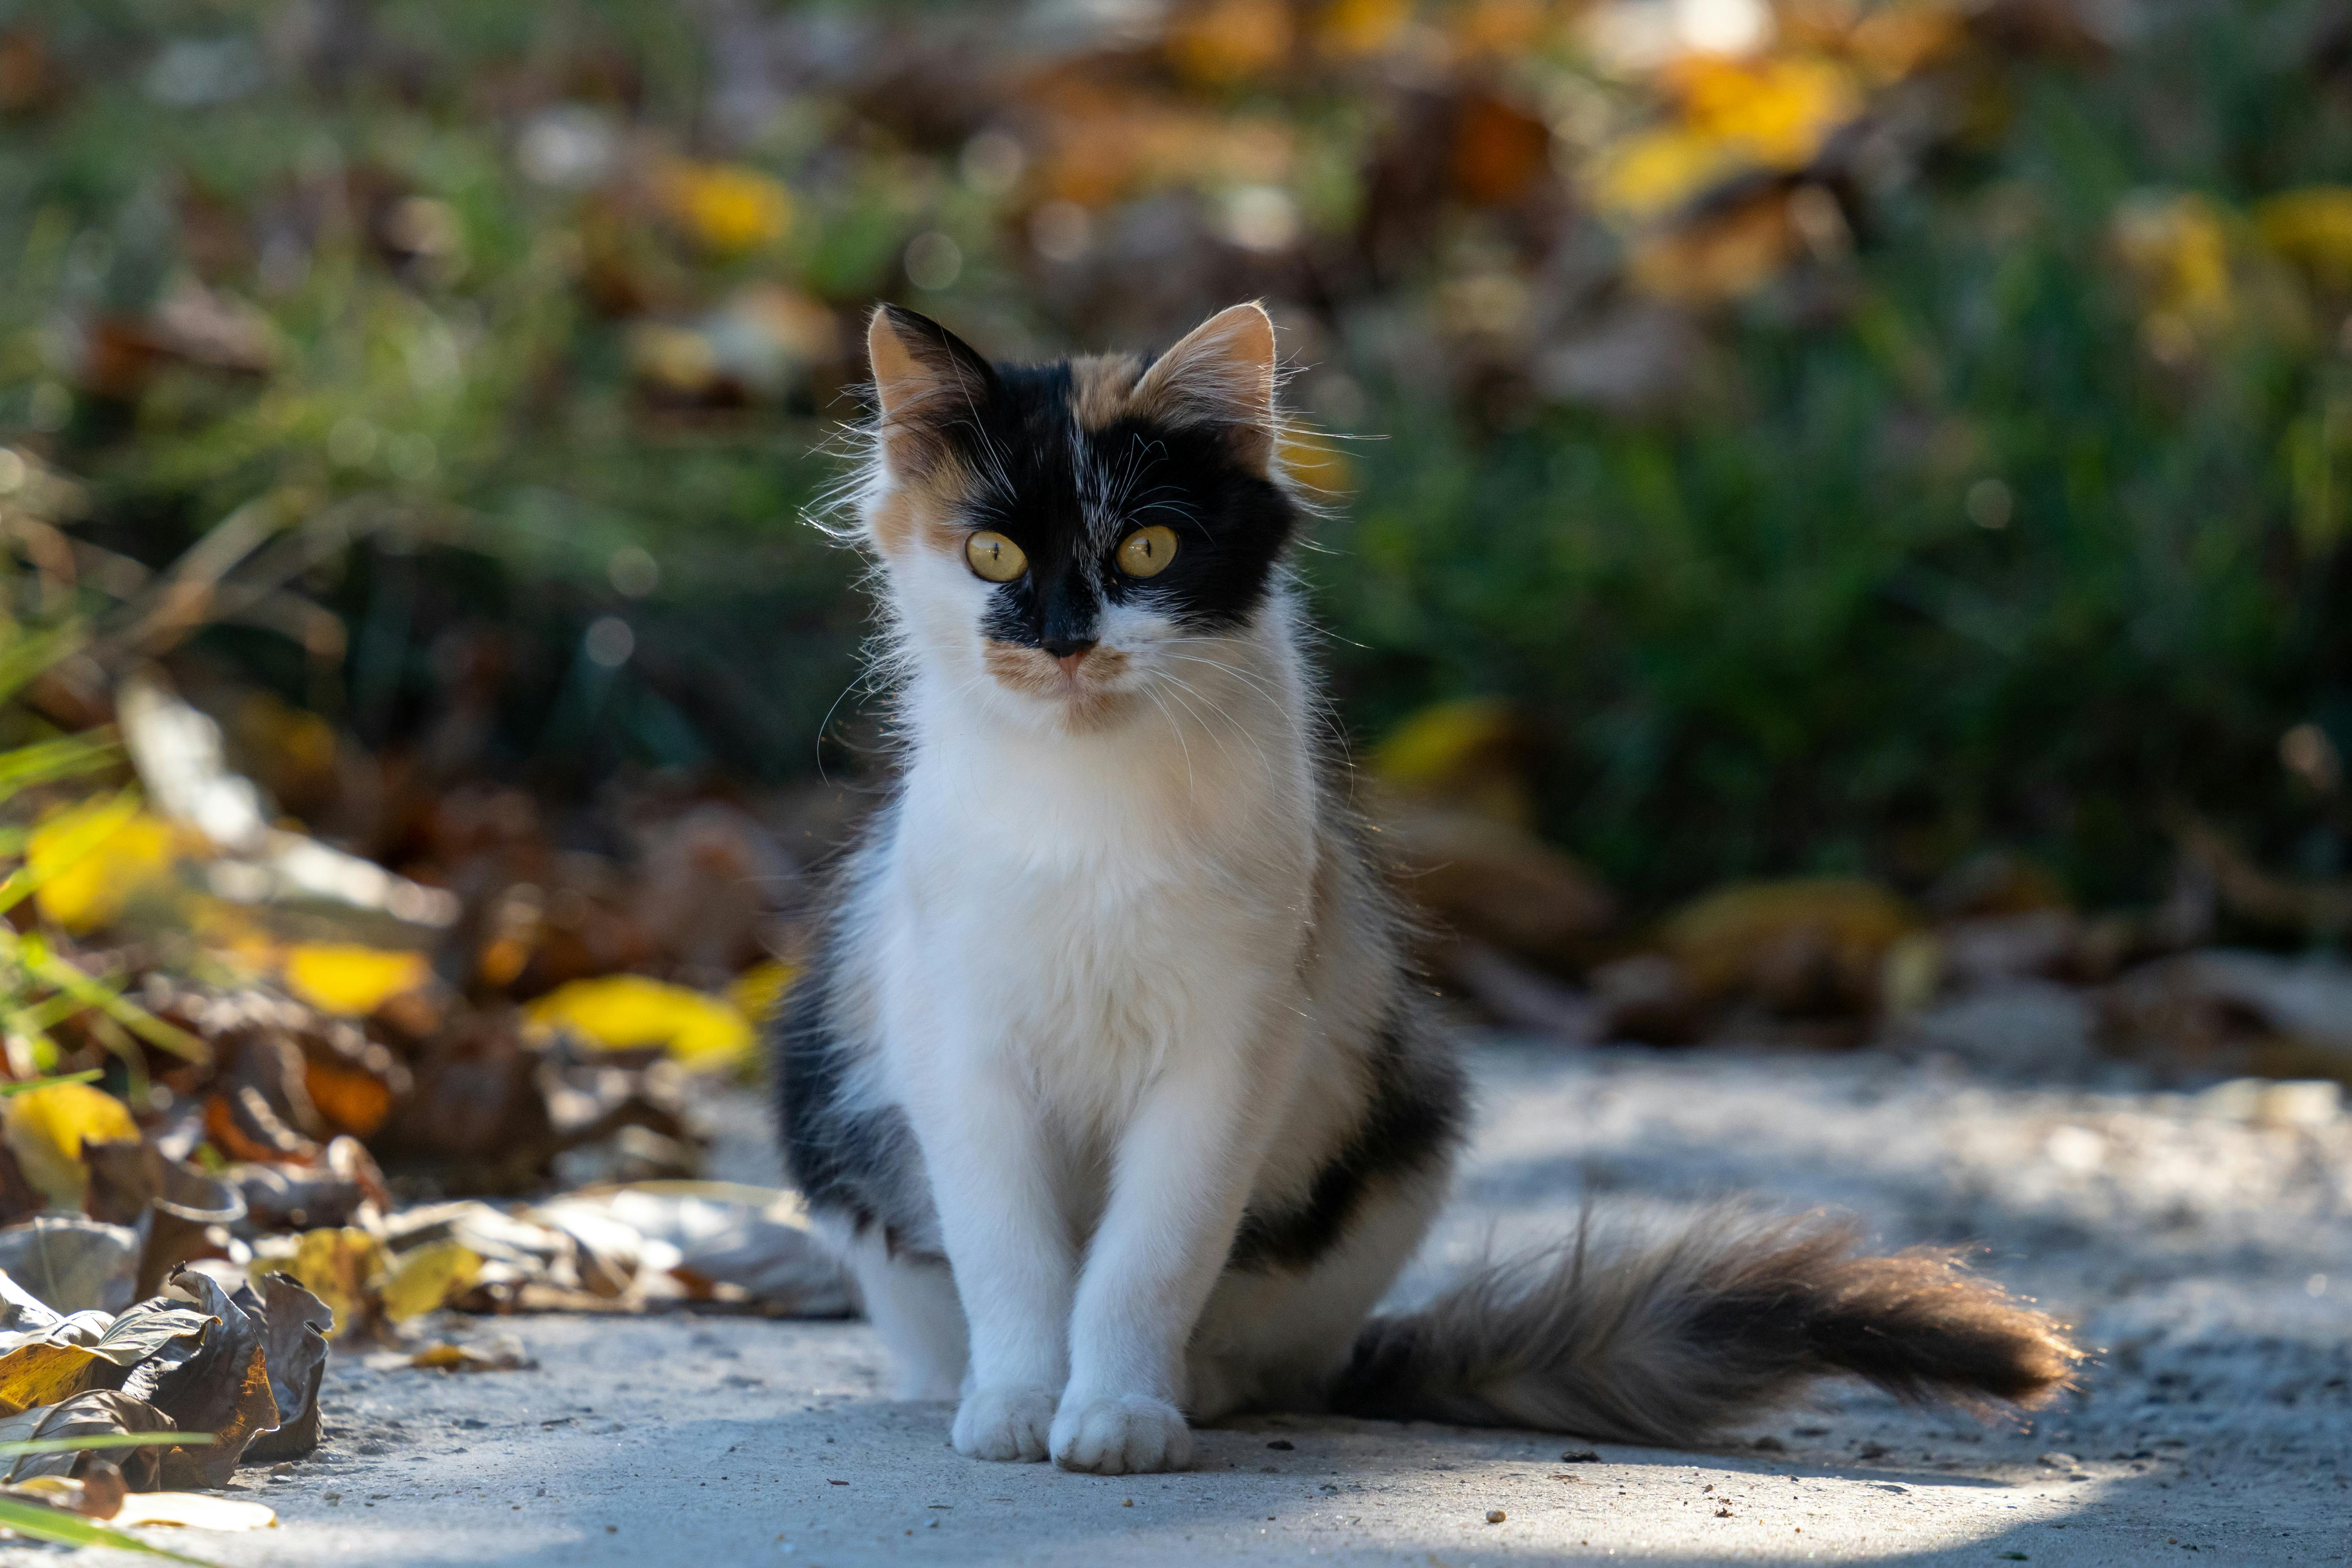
<point x="1111" y="1080"/>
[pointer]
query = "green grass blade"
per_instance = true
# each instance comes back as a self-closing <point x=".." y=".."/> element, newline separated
<point x="62" y="758"/>
<point x="48" y="968"/>
<point x="88" y="1074"/>
<point x="46" y="1015"/>
<point x="28" y="656"/>
<point x="55" y="1524"/>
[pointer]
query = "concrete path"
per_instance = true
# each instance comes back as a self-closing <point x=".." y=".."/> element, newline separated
<point x="2205" y="1242"/>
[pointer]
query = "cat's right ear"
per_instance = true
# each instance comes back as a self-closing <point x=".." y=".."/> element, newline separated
<point x="926" y="380"/>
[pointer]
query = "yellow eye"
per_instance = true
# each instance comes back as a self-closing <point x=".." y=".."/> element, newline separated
<point x="995" y="557"/>
<point x="1147" y="551"/>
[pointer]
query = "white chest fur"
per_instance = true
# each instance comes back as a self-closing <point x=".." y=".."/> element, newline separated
<point x="1077" y="907"/>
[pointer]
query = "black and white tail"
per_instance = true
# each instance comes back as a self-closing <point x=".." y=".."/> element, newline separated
<point x="1665" y="1336"/>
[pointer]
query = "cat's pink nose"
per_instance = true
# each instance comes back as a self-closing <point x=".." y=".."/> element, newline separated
<point x="1070" y="661"/>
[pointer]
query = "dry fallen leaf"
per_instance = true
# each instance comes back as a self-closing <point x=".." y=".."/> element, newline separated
<point x="344" y="1267"/>
<point x="87" y="862"/>
<point x="1805" y="945"/>
<point x="50" y="1358"/>
<point x="755" y="1239"/>
<point x="94" y="1498"/>
<point x="220" y="1386"/>
<point x="295" y="1347"/>
<point x="138" y="1184"/>
<point x="73" y="1264"/>
<point x="100" y="1413"/>
<point x="195" y="1511"/>
<point x="726" y="208"/>
<point x="1466" y="753"/>
<point x="43" y="1373"/>
<point x="501" y="1354"/>
<point x="625" y="1012"/>
<point x="425" y="1279"/>
<point x="1494" y="881"/>
<point x="349" y="980"/>
<point x="45" y="1128"/>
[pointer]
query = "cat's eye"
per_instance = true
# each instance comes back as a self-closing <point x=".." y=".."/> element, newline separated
<point x="1147" y="551"/>
<point x="995" y="557"/>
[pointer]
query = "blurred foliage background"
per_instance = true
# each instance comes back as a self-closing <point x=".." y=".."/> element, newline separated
<point x="1840" y="526"/>
<point x="1822" y="436"/>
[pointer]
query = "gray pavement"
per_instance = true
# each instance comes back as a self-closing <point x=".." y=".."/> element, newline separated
<point x="2204" y="1241"/>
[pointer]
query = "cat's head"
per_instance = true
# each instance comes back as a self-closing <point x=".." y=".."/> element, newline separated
<point x="1060" y="540"/>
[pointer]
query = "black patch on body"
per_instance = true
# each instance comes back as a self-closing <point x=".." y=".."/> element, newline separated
<point x="1413" y="1117"/>
<point x="1016" y="434"/>
<point x="859" y="1161"/>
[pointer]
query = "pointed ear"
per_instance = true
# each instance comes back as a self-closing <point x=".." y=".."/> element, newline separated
<point x="924" y="380"/>
<point x="1221" y="374"/>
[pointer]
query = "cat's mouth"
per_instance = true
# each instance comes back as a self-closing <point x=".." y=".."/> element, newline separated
<point x="1087" y="680"/>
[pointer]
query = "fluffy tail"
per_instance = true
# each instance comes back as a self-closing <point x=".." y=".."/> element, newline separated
<point x="1664" y="1337"/>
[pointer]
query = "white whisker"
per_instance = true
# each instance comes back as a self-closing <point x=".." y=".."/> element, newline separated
<point x="1178" y="730"/>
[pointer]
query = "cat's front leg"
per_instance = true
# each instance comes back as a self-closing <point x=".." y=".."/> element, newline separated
<point x="1182" y="1174"/>
<point x="1008" y="1244"/>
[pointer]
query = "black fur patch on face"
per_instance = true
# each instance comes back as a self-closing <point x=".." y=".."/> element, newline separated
<point x="1413" y="1118"/>
<point x="1069" y="495"/>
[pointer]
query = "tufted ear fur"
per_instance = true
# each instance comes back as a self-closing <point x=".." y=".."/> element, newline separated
<point x="926" y="380"/>
<point x="1220" y="373"/>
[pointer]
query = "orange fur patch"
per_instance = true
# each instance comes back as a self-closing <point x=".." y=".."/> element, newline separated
<point x="1035" y="672"/>
<point x="924" y="511"/>
<point x="1100" y="386"/>
<point x="1220" y="372"/>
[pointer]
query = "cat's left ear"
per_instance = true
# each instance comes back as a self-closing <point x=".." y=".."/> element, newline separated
<point x="927" y="380"/>
<point x="1220" y="373"/>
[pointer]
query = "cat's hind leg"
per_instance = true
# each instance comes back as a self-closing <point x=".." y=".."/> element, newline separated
<point x="910" y="1300"/>
<point x="1278" y="1331"/>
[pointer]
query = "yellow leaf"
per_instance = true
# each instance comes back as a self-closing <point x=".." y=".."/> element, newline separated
<point x="1778" y="111"/>
<point x="728" y="208"/>
<point x="2179" y="249"/>
<point x="88" y="861"/>
<point x="1464" y="752"/>
<point x="1789" y="938"/>
<point x="45" y="1128"/>
<point x="629" y="1012"/>
<point x="351" y="980"/>
<point x="1227" y="41"/>
<point x="502" y="1354"/>
<point x="759" y="990"/>
<point x="43" y="1373"/>
<point x="343" y="1267"/>
<point x="2312" y="229"/>
<point x="1354" y="29"/>
<point x="1734" y="115"/>
<point x="424" y="1281"/>
<point x="1658" y="170"/>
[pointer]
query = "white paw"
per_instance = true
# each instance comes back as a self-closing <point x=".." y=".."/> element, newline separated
<point x="1004" y="1423"/>
<point x="1126" y="1436"/>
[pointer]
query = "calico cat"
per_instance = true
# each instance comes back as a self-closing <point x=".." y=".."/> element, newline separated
<point x="1110" y="1079"/>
